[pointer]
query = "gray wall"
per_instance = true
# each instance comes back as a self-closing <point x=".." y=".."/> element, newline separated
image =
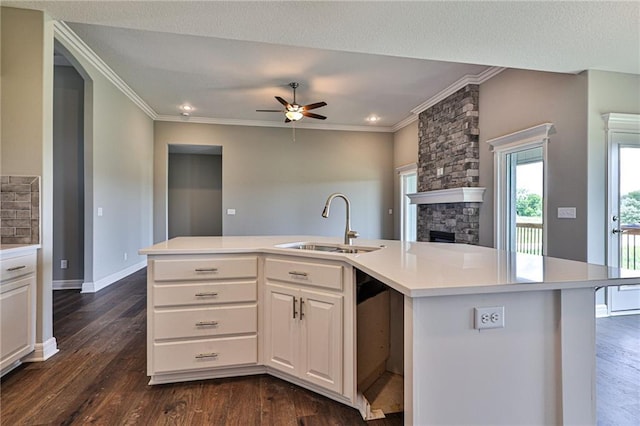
<point x="118" y="175"/>
<point x="405" y="152"/>
<point x="68" y="173"/>
<point x="517" y="99"/>
<point x="195" y="195"/>
<point x="279" y="186"/>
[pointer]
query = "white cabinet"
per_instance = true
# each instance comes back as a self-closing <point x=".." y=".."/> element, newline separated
<point x="202" y="315"/>
<point x="304" y="326"/>
<point x="17" y="308"/>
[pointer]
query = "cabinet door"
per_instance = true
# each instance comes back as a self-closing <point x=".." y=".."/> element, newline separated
<point x="16" y="323"/>
<point x="281" y="328"/>
<point x="321" y="339"/>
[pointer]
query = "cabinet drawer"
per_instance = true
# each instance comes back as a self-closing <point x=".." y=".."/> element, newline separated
<point x="201" y="354"/>
<point x="205" y="268"/>
<point x="17" y="266"/>
<point x="316" y="274"/>
<point x="204" y="293"/>
<point x="203" y="322"/>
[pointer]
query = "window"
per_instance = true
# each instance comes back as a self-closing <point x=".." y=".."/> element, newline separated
<point x="519" y="189"/>
<point x="408" y="212"/>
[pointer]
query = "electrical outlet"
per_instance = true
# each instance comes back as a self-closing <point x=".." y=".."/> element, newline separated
<point x="439" y="171"/>
<point x="489" y="317"/>
<point x="64" y="264"/>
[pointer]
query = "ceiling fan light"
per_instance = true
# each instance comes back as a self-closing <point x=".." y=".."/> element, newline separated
<point x="293" y="115"/>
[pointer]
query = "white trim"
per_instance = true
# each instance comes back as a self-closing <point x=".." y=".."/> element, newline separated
<point x="66" y="284"/>
<point x="259" y="123"/>
<point x="93" y="287"/>
<point x="614" y="121"/>
<point x="404" y="123"/>
<point x="532" y="137"/>
<point x="62" y="31"/>
<point x="602" y="310"/>
<point x="453" y="195"/>
<point x="521" y="138"/>
<point x="43" y="351"/>
<point x="459" y="84"/>
<point x="407" y="168"/>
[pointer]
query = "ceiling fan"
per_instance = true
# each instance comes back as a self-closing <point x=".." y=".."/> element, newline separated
<point x="295" y="112"/>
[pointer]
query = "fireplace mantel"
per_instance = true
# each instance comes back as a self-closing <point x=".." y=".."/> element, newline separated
<point x="453" y="195"/>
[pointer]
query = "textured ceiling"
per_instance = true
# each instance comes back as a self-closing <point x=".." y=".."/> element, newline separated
<point x="229" y="78"/>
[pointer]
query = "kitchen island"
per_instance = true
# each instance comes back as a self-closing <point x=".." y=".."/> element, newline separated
<point x="292" y="313"/>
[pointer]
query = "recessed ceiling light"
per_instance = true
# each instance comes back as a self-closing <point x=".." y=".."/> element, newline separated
<point x="372" y="118"/>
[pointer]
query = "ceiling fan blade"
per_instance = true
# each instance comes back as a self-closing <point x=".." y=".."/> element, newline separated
<point x="283" y="102"/>
<point x="312" y="115"/>
<point x="270" y="110"/>
<point x="314" y="106"/>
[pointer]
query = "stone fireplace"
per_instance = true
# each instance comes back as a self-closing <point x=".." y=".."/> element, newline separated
<point x="449" y="198"/>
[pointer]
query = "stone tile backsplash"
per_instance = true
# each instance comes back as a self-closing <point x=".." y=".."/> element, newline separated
<point x="19" y="209"/>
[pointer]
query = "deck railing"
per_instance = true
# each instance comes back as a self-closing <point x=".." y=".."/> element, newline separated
<point x="630" y="247"/>
<point x="529" y="238"/>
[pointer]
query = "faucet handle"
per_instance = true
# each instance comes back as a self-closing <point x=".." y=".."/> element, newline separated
<point x="353" y="234"/>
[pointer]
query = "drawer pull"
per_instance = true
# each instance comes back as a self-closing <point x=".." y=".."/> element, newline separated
<point x="16" y="268"/>
<point x="206" y="269"/>
<point x="213" y="355"/>
<point x="207" y="294"/>
<point x="206" y="323"/>
<point x="298" y="274"/>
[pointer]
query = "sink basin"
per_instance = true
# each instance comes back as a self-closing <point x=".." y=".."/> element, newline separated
<point x="329" y="248"/>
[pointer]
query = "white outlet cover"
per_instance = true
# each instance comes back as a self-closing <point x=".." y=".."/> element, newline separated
<point x="492" y="317"/>
<point x="566" y="212"/>
<point x="231" y="212"/>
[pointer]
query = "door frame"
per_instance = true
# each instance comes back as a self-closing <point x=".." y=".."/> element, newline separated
<point x="615" y="123"/>
<point x="532" y="137"/>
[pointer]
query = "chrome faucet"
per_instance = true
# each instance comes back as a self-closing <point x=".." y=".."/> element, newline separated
<point x="349" y="234"/>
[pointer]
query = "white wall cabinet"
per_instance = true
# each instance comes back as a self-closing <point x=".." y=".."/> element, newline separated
<point x="17" y="309"/>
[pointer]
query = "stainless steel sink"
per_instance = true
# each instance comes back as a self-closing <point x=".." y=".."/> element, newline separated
<point x="329" y="248"/>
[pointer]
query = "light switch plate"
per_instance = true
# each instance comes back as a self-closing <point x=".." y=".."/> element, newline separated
<point x="566" y="212"/>
<point x="231" y="212"/>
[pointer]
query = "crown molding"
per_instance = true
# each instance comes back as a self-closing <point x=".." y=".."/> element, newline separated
<point x="258" y="123"/>
<point x="617" y="121"/>
<point x="404" y="123"/>
<point x="63" y="33"/>
<point x="459" y="84"/>
<point x="539" y="133"/>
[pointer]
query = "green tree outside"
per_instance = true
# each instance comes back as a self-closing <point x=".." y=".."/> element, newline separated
<point x="630" y="207"/>
<point x="530" y="205"/>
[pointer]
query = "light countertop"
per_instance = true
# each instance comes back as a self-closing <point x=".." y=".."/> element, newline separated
<point x="12" y="249"/>
<point x="425" y="269"/>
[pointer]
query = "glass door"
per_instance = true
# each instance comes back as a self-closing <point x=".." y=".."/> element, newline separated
<point x="624" y="229"/>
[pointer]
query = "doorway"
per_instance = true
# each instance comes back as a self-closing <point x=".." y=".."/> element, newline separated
<point x="68" y="175"/>
<point x="194" y="199"/>
<point x="624" y="216"/>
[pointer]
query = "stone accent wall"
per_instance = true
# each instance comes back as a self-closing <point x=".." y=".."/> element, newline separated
<point x="20" y="209"/>
<point x="448" y="137"/>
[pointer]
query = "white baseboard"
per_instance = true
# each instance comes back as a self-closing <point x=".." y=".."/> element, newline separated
<point x="66" y="284"/>
<point x="93" y="287"/>
<point x="601" y="311"/>
<point x="43" y="351"/>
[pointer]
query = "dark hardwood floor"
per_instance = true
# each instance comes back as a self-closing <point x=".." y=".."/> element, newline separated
<point x="618" y="370"/>
<point x="99" y="377"/>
